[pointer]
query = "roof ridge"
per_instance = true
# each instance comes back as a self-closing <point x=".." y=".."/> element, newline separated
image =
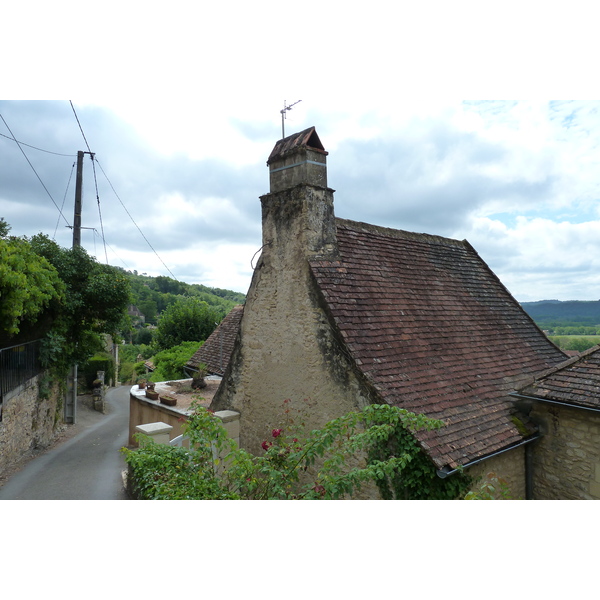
<point x="399" y="233"/>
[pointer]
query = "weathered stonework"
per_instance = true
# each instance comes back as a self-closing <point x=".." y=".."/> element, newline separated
<point x="287" y="348"/>
<point x="28" y="421"/>
<point x="566" y="460"/>
<point x="508" y="466"/>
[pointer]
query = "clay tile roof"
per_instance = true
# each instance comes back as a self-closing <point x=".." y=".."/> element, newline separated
<point x="576" y="381"/>
<point x="304" y="139"/>
<point x="434" y="331"/>
<point x="216" y="350"/>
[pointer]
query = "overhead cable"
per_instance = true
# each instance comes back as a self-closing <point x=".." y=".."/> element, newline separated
<point x="35" y="147"/>
<point x="64" y="198"/>
<point x="95" y="180"/>
<point x="36" y="173"/>
<point x="80" y="128"/>
<point x="133" y="221"/>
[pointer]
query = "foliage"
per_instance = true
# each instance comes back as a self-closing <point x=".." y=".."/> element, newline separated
<point x="421" y="482"/>
<point x="96" y="298"/>
<point x="30" y="289"/>
<point x="491" y="488"/>
<point x="152" y="295"/>
<point x="163" y="472"/>
<point x="4" y="228"/>
<point x="189" y="319"/>
<point x="578" y="344"/>
<point x="103" y="361"/>
<point x="169" y="363"/>
<point x="143" y="336"/>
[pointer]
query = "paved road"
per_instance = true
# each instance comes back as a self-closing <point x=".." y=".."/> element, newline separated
<point x="87" y="466"/>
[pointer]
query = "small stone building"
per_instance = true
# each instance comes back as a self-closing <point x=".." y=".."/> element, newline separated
<point x="565" y="403"/>
<point x="346" y="314"/>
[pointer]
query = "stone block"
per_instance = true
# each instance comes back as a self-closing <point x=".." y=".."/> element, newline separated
<point x="159" y="432"/>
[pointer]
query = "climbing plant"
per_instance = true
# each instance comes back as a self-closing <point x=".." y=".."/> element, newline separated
<point x="321" y="464"/>
<point x="421" y="481"/>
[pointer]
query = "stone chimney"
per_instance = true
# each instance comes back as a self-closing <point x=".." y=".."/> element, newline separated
<point x="298" y="211"/>
<point x="296" y="159"/>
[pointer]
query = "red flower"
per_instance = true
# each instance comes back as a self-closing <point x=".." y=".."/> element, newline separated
<point x="277" y="432"/>
<point x="266" y="445"/>
<point x="319" y="489"/>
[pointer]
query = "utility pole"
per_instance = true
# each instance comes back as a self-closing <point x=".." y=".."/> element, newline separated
<point x="77" y="213"/>
<point x="71" y="399"/>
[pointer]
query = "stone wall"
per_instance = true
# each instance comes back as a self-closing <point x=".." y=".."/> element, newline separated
<point x="508" y="466"/>
<point x="286" y="348"/>
<point x="28" y="421"/>
<point x="566" y="461"/>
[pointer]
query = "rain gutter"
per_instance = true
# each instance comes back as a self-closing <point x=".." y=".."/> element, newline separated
<point x="557" y="402"/>
<point x="443" y="473"/>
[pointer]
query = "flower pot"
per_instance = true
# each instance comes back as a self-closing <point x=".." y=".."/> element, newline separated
<point x="168" y="400"/>
<point x="151" y="394"/>
<point x="141" y="385"/>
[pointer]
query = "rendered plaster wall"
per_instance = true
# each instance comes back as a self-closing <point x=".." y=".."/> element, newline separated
<point x="286" y="348"/>
<point x="566" y="461"/>
<point x="143" y="411"/>
<point x="28" y="422"/>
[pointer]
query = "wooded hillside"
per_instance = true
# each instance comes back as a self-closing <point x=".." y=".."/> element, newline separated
<point x="549" y="314"/>
<point x="152" y="295"/>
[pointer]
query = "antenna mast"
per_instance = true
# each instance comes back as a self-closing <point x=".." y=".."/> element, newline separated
<point x="283" y="116"/>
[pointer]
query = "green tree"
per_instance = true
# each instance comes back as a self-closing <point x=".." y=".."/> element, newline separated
<point x="189" y="319"/>
<point x="31" y="292"/>
<point x="96" y="299"/>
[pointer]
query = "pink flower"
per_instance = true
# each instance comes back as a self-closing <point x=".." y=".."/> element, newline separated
<point x="319" y="489"/>
<point x="276" y="432"/>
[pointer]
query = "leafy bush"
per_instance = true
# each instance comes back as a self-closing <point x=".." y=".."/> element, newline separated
<point x="189" y="319"/>
<point x="169" y="363"/>
<point x="102" y="361"/>
<point x="159" y="471"/>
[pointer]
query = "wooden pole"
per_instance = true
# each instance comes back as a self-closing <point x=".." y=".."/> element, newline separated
<point x="78" y="188"/>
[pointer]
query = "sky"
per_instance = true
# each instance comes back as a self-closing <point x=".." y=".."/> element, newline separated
<point x="181" y="108"/>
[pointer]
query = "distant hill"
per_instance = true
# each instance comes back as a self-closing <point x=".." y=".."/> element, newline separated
<point x="552" y="313"/>
<point x="151" y="295"/>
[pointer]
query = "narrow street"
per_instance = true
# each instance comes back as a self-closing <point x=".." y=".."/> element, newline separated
<point x="86" y="467"/>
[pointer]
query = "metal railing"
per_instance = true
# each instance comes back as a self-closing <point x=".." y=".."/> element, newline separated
<point x="18" y="364"/>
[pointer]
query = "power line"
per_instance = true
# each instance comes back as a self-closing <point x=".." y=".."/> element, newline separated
<point x="32" y="167"/>
<point x="80" y="128"/>
<point x="133" y="221"/>
<point x="35" y="147"/>
<point x="64" y="198"/>
<point x="95" y="179"/>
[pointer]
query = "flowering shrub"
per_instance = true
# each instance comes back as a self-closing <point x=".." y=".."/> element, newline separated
<point x="284" y="470"/>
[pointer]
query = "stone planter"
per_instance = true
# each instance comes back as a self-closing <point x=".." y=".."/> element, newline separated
<point x="168" y="400"/>
<point x="151" y="394"/>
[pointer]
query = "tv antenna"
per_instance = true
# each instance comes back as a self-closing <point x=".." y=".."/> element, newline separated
<point x="283" y="115"/>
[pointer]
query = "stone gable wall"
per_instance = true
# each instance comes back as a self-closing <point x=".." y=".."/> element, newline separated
<point x="566" y="460"/>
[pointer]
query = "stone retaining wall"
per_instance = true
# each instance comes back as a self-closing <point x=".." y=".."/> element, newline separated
<point x="28" y="421"/>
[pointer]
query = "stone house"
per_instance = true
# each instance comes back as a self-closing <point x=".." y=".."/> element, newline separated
<point x="565" y="403"/>
<point x="346" y="314"/>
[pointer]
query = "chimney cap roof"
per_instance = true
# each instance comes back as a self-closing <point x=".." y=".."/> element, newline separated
<point x="297" y="141"/>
